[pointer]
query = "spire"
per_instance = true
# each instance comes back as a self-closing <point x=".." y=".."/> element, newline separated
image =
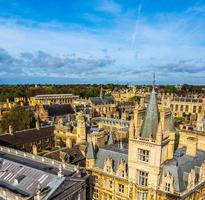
<point x="101" y="91"/>
<point x="111" y="139"/>
<point x="154" y="81"/>
<point x="90" y="152"/>
<point x="151" y="120"/>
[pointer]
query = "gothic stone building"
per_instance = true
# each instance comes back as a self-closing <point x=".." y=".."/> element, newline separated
<point x="148" y="168"/>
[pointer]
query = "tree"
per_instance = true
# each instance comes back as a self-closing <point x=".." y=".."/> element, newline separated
<point x="18" y="118"/>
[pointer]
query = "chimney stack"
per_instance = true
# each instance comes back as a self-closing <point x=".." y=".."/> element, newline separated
<point x="37" y="125"/>
<point x="10" y="130"/>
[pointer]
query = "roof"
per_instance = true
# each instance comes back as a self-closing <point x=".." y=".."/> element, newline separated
<point x="29" y="172"/>
<point x="73" y="155"/>
<point x="181" y="165"/>
<point x="68" y="188"/>
<point x="26" y="136"/>
<point x="41" y="96"/>
<point x="90" y="153"/>
<point x="114" y="152"/>
<point x="151" y="120"/>
<point x="24" y="179"/>
<point x="102" y="100"/>
<point x="59" y="109"/>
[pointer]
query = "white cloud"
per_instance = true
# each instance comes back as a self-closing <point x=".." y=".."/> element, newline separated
<point x="169" y="38"/>
<point x="109" y="6"/>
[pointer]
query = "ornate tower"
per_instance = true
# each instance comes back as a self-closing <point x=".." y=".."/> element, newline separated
<point x="150" y="144"/>
<point x="81" y="128"/>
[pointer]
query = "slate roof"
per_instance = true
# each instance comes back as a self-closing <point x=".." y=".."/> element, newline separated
<point x="114" y="152"/>
<point x="27" y="178"/>
<point x="26" y="136"/>
<point x="91" y="152"/>
<point x="151" y="120"/>
<point x="102" y="100"/>
<point x="68" y="188"/>
<point x="31" y="172"/>
<point x="181" y="165"/>
<point x="74" y="154"/>
<point x="59" y="109"/>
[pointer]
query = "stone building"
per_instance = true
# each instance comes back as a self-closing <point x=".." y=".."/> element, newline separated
<point x="53" y="99"/>
<point x="148" y="168"/>
<point x="181" y="106"/>
<point x="30" y="140"/>
<point x="103" y="106"/>
<point x="25" y="176"/>
<point x="54" y="112"/>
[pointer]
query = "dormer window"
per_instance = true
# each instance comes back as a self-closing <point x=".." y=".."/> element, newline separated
<point x="143" y="155"/>
<point x="122" y="169"/>
<point x="108" y="165"/>
<point x="167" y="187"/>
<point x="108" y="169"/>
<point x="123" y="173"/>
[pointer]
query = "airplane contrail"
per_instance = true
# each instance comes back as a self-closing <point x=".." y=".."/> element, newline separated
<point x="134" y="35"/>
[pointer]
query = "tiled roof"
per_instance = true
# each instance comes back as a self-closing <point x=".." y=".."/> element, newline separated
<point x="102" y="100"/>
<point x="114" y="152"/>
<point x="181" y="165"/>
<point x="59" y="109"/>
<point x="26" y="136"/>
<point x="24" y="179"/>
<point x="151" y="120"/>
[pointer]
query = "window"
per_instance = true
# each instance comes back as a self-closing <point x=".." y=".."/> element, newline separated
<point x="194" y="109"/>
<point x="142" y="178"/>
<point x="110" y="184"/>
<point x="176" y="107"/>
<point x="167" y="187"/>
<point x="143" y="155"/>
<point x="121" y="188"/>
<point x="141" y="195"/>
<point x="181" y="108"/>
<point x="123" y="173"/>
<point x="200" y="108"/>
<point x="108" y="169"/>
<point x="187" y="108"/>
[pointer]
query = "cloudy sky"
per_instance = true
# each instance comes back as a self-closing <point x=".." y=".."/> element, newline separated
<point x="101" y="41"/>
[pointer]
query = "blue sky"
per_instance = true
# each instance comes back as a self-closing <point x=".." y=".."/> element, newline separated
<point x="101" y="41"/>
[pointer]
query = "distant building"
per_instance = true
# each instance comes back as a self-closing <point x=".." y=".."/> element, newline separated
<point x="54" y="112"/>
<point x="53" y="99"/>
<point x="103" y="105"/>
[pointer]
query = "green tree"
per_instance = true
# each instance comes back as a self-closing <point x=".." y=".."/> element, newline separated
<point x="18" y="118"/>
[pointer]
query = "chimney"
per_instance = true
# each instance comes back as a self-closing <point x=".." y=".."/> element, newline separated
<point x="37" y="125"/>
<point x="38" y="194"/>
<point x="191" y="146"/>
<point x="10" y="130"/>
<point x="34" y="149"/>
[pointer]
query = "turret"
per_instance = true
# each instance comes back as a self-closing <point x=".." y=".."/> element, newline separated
<point x="111" y="139"/>
<point x="81" y="128"/>
<point x="90" y="157"/>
